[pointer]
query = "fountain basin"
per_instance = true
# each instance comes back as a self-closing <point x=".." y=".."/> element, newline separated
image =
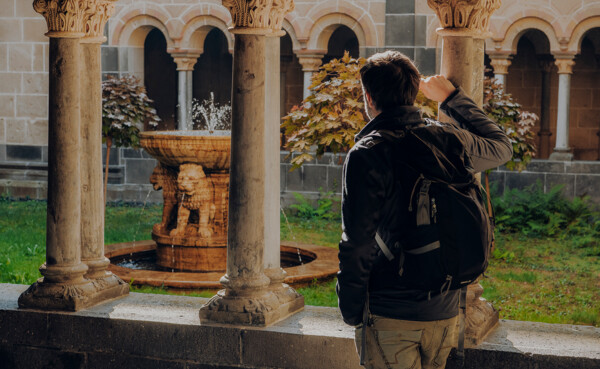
<point x="320" y="264"/>
<point x="173" y="148"/>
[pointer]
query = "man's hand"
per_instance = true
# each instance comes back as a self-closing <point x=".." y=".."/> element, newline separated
<point x="436" y="88"/>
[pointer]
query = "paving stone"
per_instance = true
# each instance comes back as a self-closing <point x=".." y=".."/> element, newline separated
<point x="23" y="153"/>
<point x="315" y="178"/>
<point x="400" y="30"/>
<point x="399" y="7"/>
<point x="124" y="361"/>
<point x="110" y="59"/>
<point x="426" y="60"/>
<point x="546" y="166"/>
<point x="293" y="179"/>
<point x="588" y="185"/>
<point x="523" y="180"/>
<point x="583" y="167"/>
<point x="26" y="357"/>
<point x="334" y="179"/>
<point x="566" y="180"/>
<point x="420" y="30"/>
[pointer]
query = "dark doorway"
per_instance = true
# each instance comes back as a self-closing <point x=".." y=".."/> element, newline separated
<point x="342" y="39"/>
<point x="212" y="72"/>
<point x="292" y="77"/>
<point x="160" y="79"/>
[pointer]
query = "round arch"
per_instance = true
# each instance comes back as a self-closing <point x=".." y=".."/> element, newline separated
<point x="196" y="30"/>
<point x="579" y="32"/>
<point x="517" y="29"/>
<point x="326" y="25"/>
<point x="134" y="32"/>
<point x="291" y="31"/>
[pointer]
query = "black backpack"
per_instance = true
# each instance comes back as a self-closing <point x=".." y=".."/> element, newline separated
<point x="447" y="241"/>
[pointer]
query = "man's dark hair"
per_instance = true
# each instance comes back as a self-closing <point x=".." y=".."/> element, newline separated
<point x="391" y="79"/>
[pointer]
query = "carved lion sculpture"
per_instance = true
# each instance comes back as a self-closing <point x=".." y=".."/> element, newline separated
<point x="195" y="193"/>
<point x="165" y="178"/>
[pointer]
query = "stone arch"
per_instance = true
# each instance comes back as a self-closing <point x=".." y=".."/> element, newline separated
<point x="579" y="33"/>
<point x="196" y="29"/>
<point x="514" y="32"/>
<point x="291" y="31"/>
<point x="326" y="25"/>
<point x="134" y="31"/>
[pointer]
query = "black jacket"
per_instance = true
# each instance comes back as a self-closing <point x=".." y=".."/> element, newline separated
<point x="376" y="191"/>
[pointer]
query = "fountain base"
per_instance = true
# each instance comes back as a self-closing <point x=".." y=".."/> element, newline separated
<point x="191" y="254"/>
<point x="303" y="264"/>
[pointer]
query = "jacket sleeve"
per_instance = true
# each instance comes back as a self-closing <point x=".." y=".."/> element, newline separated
<point x="487" y="145"/>
<point x="363" y="195"/>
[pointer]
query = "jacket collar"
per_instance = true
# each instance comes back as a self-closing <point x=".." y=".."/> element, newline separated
<point x="400" y="117"/>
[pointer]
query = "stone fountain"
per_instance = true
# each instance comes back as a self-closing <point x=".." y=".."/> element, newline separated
<point x="193" y="172"/>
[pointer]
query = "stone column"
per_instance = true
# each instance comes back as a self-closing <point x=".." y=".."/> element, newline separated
<point x="547" y="64"/>
<point x="250" y="297"/>
<point x="63" y="286"/>
<point x="310" y="64"/>
<point x="500" y="63"/>
<point x="92" y="198"/>
<point x="464" y="28"/>
<point x="185" y="66"/>
<point x="562" y="151"/>
<point x="190" y="98"/>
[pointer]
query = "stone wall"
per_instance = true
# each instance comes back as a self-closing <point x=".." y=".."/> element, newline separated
<point x="24" y="175"/>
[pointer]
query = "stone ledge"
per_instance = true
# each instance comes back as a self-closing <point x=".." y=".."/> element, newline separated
<point x="165" y="331"/>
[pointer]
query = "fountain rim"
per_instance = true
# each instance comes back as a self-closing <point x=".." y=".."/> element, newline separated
<point x="322" y="268"/>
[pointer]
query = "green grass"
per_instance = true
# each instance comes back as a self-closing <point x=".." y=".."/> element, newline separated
<point x="555" y="280"/>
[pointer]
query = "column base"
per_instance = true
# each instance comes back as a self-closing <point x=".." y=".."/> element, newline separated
<point x="72" y="297"/>
<point x="561" y="155"/>
<point x="258" y="308"/>
<point x="481" y="319"/>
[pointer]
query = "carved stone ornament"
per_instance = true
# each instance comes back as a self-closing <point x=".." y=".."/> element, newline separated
<point x="98" y="13"/>
<point x="265" y="14"/>
<point x="500" y="65"/>
<point x="471" y="14"/>
<point x="310" y="64"/>
<point x="185" y="62"/>
<point x="63" y="16"/>
<point x="565" y="66"/>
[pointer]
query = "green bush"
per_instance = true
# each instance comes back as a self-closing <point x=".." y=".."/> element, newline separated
<point x="323" y="210"/>
<point x="537" y="214"/>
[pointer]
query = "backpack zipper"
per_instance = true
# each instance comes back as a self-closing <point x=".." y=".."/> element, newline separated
<point x="412" y="193"/>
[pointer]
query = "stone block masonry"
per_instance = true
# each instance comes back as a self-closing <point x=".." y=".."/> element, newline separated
<point x="23" y="171"/>
<point x="162" y="331"/>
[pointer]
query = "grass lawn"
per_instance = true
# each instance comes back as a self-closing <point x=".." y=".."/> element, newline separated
<point x="547" y="280"/>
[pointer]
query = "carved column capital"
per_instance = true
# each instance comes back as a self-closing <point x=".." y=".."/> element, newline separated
<point x="310" y="63"/>
<point x="258" y="16"/>
<point x="500" y="64"/>
<point x="65" y="18"/>
<point x="470" y="16"/>
<point x="565" y="64"/>
<point x="97" y="14"/>
<point x="185" y="62"/>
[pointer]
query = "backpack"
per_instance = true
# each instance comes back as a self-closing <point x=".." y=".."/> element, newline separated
<point x="447" y="241"/>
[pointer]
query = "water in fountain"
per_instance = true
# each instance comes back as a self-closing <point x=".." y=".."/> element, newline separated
<point x="211" y="116"/>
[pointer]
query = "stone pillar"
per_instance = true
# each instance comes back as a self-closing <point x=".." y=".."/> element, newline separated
<point x="547" y="64"/>
<point x="185" y="66"/>
<point x="92" y="198"/>
<point x="464" y="28"/>
<point x="500" y="63"/>
<point x="190" y="98"/>
<point x="250" y="297"/>
<point x="310" y="64"/>
<point x="562" y="151"/>
<point x="63" y="286"/>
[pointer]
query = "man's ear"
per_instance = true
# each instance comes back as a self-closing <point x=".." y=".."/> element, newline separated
<point x="369" y="100"/>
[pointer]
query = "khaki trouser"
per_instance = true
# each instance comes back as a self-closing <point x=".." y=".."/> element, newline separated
<point x="403" y="344"/>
